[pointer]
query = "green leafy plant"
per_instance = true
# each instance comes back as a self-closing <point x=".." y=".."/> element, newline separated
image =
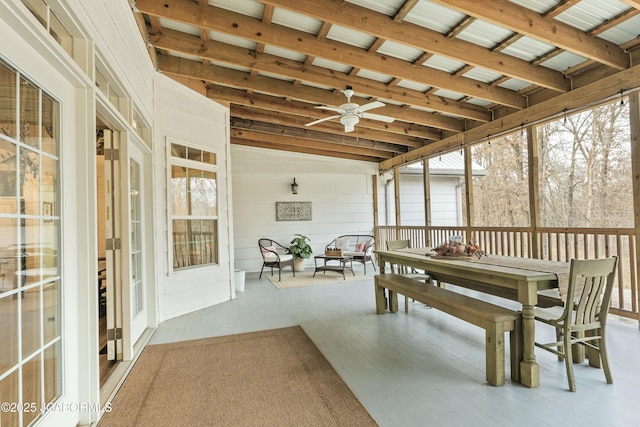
<point x="300" y="247"/>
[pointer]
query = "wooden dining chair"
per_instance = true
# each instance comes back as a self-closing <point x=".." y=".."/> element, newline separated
<point x="583" y="318"/>
<point x="394" y="245"/>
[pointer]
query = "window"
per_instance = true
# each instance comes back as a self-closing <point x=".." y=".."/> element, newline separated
<point x="30" y="285"/>
<point x="193" y="191"/>
<point x="61" y="26"/>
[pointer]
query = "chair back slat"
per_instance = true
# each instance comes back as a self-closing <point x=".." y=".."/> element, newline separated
<point x="589" y="293"/>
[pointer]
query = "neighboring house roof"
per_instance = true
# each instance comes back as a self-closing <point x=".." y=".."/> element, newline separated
<point x="451" y="164"/>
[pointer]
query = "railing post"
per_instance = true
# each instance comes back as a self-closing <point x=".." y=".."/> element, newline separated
<point x="534" y="195"/>
<point x="634" y="119"/>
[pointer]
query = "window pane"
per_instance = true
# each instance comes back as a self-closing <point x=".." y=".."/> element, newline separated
<point x="8" y="111"/>
<point x="30" y="321"/>
<point x="51" y="316"/>
<point x="61" y="34"/>
<point x="32" y="387"/>
<point x="209" y="158"/>
<point x="29" y="181"/>
<point x="202" y="238"/>
<point x="9" y="393"/>
<point x="179" y="151"/>
<point x="180" y="244"/>
<point x="29" y="113"/>
<point x="52" y="373"/>
<point x="49" y="124"/>
<point x="50" y="247"/>
<point x="9" y="259"/>
<point x="8" y="334"/>
<point x="39" y="10"/>
<point x="179" y="205"/>
<point x="8" y="177"/>
<point x="32" y="252"/>
<point x="194" y="242"/>
<point x="194" y="154"/>
<point x="203" y="193"/>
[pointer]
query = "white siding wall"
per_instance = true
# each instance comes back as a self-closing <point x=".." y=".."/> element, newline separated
<point x="341" y="192"/>
<point x="191" y="118"/>
<point x="445" y="209"/>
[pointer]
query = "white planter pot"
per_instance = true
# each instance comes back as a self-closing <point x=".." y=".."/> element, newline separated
<point x="298" y="264"/>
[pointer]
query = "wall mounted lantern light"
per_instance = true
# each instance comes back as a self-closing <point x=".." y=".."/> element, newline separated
<point x="294" y="187"/>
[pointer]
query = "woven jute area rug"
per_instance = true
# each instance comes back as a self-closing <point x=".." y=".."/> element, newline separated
<point x="305" y="278"/>
<point x="268" y="378"/>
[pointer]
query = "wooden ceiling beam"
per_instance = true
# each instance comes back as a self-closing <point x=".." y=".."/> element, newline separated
<point x="244" y="26"/>
<point x="302" y="149"/>
<point x="374" y="138"/>
<point x="177" y="41"/>
<point x="276" y="87"/>
<point x="380" y="25"/>
<point x="530" y="23"/>
<point x="306" y="133"/>
<point x="285" y="139"/>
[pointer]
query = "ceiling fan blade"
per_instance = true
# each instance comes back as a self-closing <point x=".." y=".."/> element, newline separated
<point x="326" y="107"/>
<point x="379" y="117"/>
<point x="321" y="120"/>
<point x="371" y="106"/>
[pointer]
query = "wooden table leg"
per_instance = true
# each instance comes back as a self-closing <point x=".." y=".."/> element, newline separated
<point x="381" y="300"/>
<point x="529" y="369"/>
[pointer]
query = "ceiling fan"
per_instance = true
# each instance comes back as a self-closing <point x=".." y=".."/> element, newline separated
<point x="351" y="113"/>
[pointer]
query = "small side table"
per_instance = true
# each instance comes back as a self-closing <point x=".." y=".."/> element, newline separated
<point x="339" y="268"/>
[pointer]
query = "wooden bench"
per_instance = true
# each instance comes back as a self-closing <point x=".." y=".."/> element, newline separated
<point x="495" y="320"/>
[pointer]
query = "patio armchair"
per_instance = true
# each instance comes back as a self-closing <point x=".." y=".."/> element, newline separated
<point x="275" y="255"/>
<point x="583" y="318"/>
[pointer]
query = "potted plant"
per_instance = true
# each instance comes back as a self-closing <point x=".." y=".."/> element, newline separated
<point x="301" y="250"/>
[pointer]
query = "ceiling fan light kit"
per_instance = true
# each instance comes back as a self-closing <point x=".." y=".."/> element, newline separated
<point x="349" y="122"/>
<point x="350" y="113"/>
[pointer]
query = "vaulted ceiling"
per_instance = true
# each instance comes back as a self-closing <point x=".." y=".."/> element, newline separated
<point x="450" y="72"/>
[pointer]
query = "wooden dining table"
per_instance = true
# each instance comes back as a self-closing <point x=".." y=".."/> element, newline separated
<point x="519" y="279"/>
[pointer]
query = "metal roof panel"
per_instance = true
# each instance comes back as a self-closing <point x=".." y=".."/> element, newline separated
<point x="398" y="50"/>
<point x="296" y="21"/>
<point x="527" y="48"/>
<point x="433" y="16"/>
<point x="484" y="34"/>
<point x="284" y="53"/>
<point x="245" y="7"/>
<point x="350" y="37"/>
<point x="387" y="7"/>
<point x="588" y="14"/>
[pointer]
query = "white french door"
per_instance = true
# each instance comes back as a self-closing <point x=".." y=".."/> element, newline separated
<point x="113" y="244"/>
<point x="136" y="279"/>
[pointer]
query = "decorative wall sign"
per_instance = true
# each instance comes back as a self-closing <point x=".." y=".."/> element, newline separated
<point x="293" y="211"/>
